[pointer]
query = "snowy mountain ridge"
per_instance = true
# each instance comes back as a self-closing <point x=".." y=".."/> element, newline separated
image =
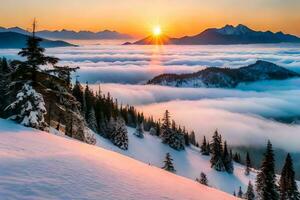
<point x="226" y="77"/>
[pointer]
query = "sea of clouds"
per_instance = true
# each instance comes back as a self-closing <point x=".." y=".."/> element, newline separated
<point x="245" y="115"/>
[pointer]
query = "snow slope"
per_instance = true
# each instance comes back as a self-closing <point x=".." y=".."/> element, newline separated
<point x="189" y="163"/>
<point x="39" y="165"/>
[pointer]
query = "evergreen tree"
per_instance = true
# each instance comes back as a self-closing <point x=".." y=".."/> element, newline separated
<point x="240" y="193"/>
<point x="4" y="67"/>
<point x="249" y="195"/>
<point x="287" y="185"/>
<point x="77" y="92"/>
<point x="234" y="194"/>
<point x="248" y="164"/>
<point x="203" y="179"/>
<point x="119" y="136"/>
<point x="204" y="147"/>
<point x="227" y="160"/>
<point x="34" y="53"/>
<point x="237" y="157"/>
<point x="265" y="179"/>
<point x="91" y="120"/>
<point x="192" y="138"/>
<point x="166" y="130"/>
<point x="168" y="163"/>
<point x="29" y="108"/>
<point x="139" y="131"/>
<point x="216" y="160"/>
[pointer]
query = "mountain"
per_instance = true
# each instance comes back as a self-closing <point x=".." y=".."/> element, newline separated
<point x="13" y="40"/>
<point x="39" y="165"/>
<point x="226" y="77"/>
<point x="229" y="34"/>
<point x="69" y="34"/>
<point x="163" y="39"/>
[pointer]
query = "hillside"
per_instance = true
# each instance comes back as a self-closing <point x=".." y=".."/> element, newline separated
<point x="226" y="77"/>
<point x="228" y="34"/>
<point x="39" y="165"/>
<point x="15" y="40"/>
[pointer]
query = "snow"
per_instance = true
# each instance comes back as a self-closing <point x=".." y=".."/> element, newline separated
<point x="188" y="163"/>
<point x="39" y="165"/>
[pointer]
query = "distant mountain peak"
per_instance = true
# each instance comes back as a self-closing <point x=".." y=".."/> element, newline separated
<point x="231" y="30"/>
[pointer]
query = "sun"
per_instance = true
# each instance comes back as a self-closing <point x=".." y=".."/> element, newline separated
<point x="156" y="31"/>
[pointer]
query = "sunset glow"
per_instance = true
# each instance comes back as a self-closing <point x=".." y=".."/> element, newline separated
<point x="156" y="31"/>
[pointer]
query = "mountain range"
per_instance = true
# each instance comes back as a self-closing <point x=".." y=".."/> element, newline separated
<point x="214" y="77"/>
<point x="69" y="34"/>
<point x="13" y="40"/>
<point x="228" y="34"/>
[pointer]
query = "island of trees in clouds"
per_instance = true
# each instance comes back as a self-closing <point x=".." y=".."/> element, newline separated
<point x="46" y="99"/>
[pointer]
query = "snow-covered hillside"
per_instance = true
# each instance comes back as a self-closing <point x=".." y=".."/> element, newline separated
<point x="189" y="163"/>
<point x="39" y="165"/>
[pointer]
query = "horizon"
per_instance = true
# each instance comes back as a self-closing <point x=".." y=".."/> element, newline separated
<point x="138" y="18"/>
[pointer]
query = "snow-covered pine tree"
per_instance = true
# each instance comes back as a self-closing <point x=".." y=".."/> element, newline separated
<point x="250" y="195"/>
<point x="227" y="160"/>
<point x="165" y="129"/>
<point x="266" y="180"/>
<point x="203" y="179"/>
<point x="91" y="120"/>
<point x="248" y="164"/>
<point x="288" y="188"/>
<point x="77" y="92"/>
<point x="216" y="160"/>
<point x="240" y="192"/>
<point x="119" y="136"/>
<point x="139" y="131"/>
<point x="176" y="140"/>
<point x="168" y="163"/>
<point x="111" y="127"/>
<point x="29" y="108"/>
<point x="153" y="131"/>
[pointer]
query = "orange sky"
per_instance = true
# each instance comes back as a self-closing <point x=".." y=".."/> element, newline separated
<point x="138" y="17"/>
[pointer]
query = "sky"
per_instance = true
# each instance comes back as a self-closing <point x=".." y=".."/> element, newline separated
<point x="138" y="17"/>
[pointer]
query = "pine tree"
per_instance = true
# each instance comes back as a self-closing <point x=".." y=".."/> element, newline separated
<point x="192" y="138"/>
<point x="29" y="108"/>
<point x="240" y="192"/>
<point x="91" y="120"/>
<point x="34" y="53"/>
<point x="248" y="164"/>
<point x="227" y="160"/>
<point x="168" y="163"/>
<point x="216" y="160"/>
<point x="249" y="195"/>
<point x="203" y="179"/>
<point x="166" y="130"/>
<point x="265" y="179"/>
<point x="139" y="131"/>
<point x="77" y="92"/>
<point x="119" y="136"/>
<point x="287" y="185"/>
<point x="203" y="147"/>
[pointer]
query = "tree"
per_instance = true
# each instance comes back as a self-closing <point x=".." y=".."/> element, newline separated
<point x="203" y="179"/>
<point x="77" y="92"/>
<point x="249" y="195"/>
<point x="248" y="164"/>
<point x="91" y="120"/>
<point x="227" y="160"/>
<point x="265" y="179"/>
<point x="168" y="163"/>
<point x="119" y="135"/>
<point x="166" y="130"/>
<point x="216" y="160"/>
<point x="139" y="131"/>
<point x="29" y="108"/>
<point x="192" y="138"/>
<point x="204" y="147"/>
<point x="240" y="192"/>
<point x="287" y="185"/>
<point x="34" y="53"/>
